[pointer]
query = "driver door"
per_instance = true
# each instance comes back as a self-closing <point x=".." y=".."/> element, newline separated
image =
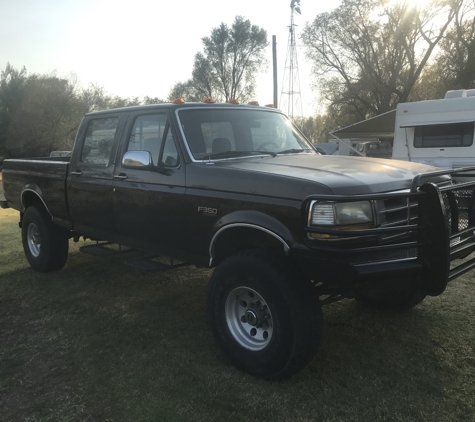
<point x="149" y="203"/>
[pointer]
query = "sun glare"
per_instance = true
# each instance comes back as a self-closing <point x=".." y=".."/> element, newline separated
<point x="420" y="4"/>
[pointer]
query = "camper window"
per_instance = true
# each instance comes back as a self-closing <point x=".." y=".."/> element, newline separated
<point x="444" y="136"/>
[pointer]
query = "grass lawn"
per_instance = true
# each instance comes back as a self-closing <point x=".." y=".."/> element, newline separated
<point x="101" y="341"/>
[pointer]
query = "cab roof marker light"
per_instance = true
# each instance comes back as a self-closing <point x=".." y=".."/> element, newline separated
<point x="207" y="100"/>
<point x="179" y="100"/>
<point x="233" y="101"/>
<point x="253" y="103"/>
<point x="270" y="105"/>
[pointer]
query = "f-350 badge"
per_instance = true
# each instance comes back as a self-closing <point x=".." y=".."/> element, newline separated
<point x="212" y="212"/>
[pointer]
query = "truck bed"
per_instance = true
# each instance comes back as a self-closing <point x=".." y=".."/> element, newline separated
<point x="25" y="176"/>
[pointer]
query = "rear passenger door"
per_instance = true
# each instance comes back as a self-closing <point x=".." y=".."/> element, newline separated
<point x="91" y="174"/>
<point x="149" y="204"/>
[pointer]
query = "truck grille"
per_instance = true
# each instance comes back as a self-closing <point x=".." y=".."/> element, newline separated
<point x="396" y="212"/>
<point x="457" y="204"/>
<point x="403" y="211"/>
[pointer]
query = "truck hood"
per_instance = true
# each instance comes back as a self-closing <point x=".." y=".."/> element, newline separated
<point x="340" y="174"/>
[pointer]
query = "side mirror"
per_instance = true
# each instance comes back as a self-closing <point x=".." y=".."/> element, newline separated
<point x="137" y="160"/>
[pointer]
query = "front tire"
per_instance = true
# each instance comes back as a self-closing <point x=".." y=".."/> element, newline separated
<point x="45" y="245"/>
<point x="268" y="323"/>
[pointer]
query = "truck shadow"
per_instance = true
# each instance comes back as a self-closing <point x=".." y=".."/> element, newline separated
<point x="106" y="338"/>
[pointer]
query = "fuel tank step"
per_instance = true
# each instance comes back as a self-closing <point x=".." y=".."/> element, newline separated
<point x="148" y="263"/>
<point x="155" y="263"/>
<point x="102" y="249"/>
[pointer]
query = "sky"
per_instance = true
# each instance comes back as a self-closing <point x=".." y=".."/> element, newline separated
<point x="142" y="48"/>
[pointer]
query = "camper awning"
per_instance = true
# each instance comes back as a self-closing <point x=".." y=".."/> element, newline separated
<point x="381" y="126"/>
<point x="438" y="123"/>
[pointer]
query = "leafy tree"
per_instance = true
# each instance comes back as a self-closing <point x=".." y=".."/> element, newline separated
<point x="456" y="62"/>
<point x="227" y="66"/>
<point x="185" y="90"/>
<point x="12" y="83"/>
<point x="152" y="100"/>
<point x="370" y="53"/>
<point x="431" y="85"/>
<point x="314" y="128"/>
<point x="41" y="113"/>
<point x="46" y="119"/>
<point x="317" y="128"/>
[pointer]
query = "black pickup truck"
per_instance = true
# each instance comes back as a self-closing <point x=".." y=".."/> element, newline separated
<point x="239" y="188"/>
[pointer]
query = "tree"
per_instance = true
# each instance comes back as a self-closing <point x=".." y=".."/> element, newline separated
<point x="46" y="118"/>
<point x="456" y="62"/>
<point x="431" y="85"/>
<point x="317" y="128"/>
<point x="12" y="83"/>
<point x="186" y="90"/>
<point x="454" y="66"/>
<point x="152" y="100"/>
<point x="370" y="53"/>
<point x="41" y="113"/>
<point x="227" y="66"/>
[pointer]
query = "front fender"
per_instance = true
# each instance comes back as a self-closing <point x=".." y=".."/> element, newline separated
<point x="254" y="220"/>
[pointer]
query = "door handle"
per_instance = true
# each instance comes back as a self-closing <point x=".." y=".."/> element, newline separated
<point x="76" y="173"/>
<point x="121" y="176"/>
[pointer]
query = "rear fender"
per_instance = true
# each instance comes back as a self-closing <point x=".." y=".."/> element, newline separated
<point x="32" y="195"/>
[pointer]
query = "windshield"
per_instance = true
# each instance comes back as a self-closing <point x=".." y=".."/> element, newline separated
<point x="224" y="133"/>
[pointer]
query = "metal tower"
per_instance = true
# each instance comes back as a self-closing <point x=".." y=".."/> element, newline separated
<point x="290" y="98"/>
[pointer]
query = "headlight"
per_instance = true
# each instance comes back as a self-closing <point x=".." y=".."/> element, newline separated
<point x="340" y="214"/>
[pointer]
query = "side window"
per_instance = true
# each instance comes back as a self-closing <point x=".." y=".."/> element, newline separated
<point x="97" y="146"/>
<point x="170" y="154"/>
<point x="444" y="136"/>
<point x="152" y="133"/>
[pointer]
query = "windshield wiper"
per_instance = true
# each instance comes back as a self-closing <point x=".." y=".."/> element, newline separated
<point x="292" y="150"/>
<point x="231" y="154"/>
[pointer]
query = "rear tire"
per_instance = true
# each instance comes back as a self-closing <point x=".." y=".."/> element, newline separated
<point x="268" y="323"/>
<point x="45" y="245"/>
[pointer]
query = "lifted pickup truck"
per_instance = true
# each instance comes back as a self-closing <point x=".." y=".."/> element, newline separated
<point x="239" y="188"/>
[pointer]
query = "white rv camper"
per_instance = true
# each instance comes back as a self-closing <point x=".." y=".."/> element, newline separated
<point x="436" y="132"/>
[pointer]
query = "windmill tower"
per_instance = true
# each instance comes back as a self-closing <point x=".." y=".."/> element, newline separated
<point x="290" y="98"/>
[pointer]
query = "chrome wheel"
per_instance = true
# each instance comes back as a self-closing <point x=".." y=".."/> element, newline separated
<point x="248" y="318"/>
<point x="33" y="239"/>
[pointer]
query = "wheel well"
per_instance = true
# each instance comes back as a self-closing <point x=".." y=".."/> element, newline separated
<point x="235" y="239"/>
<point x="31" y="198"/>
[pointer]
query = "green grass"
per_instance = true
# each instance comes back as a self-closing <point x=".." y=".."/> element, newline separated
<point x="100" y="341"/>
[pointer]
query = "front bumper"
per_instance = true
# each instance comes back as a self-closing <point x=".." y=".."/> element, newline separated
<point x="425" y="244"/>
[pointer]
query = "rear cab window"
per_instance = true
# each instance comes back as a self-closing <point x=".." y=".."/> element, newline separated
<point x="98" y="142"/>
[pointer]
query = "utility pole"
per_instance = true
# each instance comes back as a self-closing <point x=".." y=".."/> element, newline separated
<point x="274" y="66"/>
<point x="290" y="98"/>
